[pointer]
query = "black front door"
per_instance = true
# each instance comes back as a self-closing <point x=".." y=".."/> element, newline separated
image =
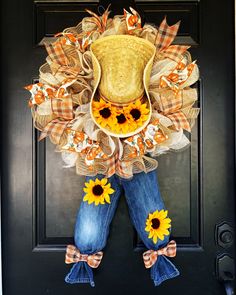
<point x="40" y="198"/>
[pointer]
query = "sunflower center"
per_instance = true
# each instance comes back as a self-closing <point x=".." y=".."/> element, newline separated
<point x="135" y="113"/>
<point x="97" y="190"/>
<point x="121" y="118"/>
<point x="105" y="113"/>
<point x="155" y="223"/>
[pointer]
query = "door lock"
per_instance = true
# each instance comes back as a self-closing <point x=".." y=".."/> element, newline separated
<point x="224" y="235"/>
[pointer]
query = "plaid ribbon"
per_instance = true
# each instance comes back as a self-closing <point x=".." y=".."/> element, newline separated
<point x="179" y="120"/>
<point x="165" y="36"/>
<point x="150" y="256"/>
<point x="63" y="108"/>
<point x="170" y="105"/>
<point x="171" y="108"/>
<point x="73" y="255"/>
<point x="59" y="61"/>
<point x="55" y="128"/>
<point x="175" y="52"/>
<point x="57" y="54"/>
<point x="115" y="165"/>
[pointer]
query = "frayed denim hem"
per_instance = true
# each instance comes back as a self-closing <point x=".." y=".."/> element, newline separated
<point x="79" y="281"/>
<point x="165" y="277"/>
<point x="80" y="273"/>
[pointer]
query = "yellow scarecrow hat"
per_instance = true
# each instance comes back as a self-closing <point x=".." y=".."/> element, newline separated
<point x="120" y="103"/>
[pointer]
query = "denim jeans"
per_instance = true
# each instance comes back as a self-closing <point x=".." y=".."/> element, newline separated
<point x="92" y="225"/>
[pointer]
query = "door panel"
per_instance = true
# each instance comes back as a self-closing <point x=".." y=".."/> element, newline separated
<point x="41" y="198"/>
<point x="178" y="173"/>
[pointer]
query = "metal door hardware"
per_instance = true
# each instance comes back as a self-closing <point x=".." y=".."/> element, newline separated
<point x="225" y="272"/>
<point x="224" y="235"/>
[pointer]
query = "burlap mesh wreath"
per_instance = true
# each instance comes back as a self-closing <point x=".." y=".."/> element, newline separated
<point x="60" y="101"/>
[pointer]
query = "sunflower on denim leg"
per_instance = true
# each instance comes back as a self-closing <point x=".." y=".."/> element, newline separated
<point x="157" y="224"/>
<point x="98" y="191"/>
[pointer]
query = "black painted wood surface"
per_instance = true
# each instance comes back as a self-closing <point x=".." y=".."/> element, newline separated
<point x="40" y="198"/>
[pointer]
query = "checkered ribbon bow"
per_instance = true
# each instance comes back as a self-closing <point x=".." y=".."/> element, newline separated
<point x="171" y="107"/>
<point x="150" y="256"/>
<point x="73" y="255"/>
<point x="165" y="36"/>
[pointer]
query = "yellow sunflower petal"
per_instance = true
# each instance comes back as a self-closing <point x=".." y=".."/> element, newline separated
<point x="166" y="220"/>
<point x="97" y="181"/>
<point x="111" y="191"/>
<point x="148" y="228"/>
<point x="160" y="235"/>
<point x="150" y="215"/>
<point x="86" y="197"/>
<point x="165" y="232"/>
<point x="151" y="234"/>
<point x="103" y="124"/>
<point x="104" y="181"/>
<point x="163" y="213"/>
<point x="164" y="224"/>
<point x="155" y="239"/>
<point x="97" y="202"/>
<point x="107" y="198"/>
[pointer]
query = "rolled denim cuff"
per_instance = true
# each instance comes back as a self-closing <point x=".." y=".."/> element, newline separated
<point x="163" y="270"/>
<point x="81" y="272"/>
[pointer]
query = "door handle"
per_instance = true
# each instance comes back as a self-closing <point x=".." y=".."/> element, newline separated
<point x="229" y="287"/>
<point x="225" y="272"/>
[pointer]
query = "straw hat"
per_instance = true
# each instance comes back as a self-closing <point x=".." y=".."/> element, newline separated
<point x="120" y="103"/>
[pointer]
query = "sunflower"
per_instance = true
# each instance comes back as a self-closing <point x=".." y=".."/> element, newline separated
<point x="122" y="124"/>
<point x="98" y="191"/>
<point x="137" y="113"/>
<point x="157" y="225"/>
<point x="104" y="113"/>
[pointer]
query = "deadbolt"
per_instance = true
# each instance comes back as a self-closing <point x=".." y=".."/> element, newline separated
<point x="224" y="235"/>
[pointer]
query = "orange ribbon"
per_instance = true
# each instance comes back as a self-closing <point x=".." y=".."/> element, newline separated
<point x="150" y="256"/>
<point x="133" y="20"/>
<point x="73" y="255"/>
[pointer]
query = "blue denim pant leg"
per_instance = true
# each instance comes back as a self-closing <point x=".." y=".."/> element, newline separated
<point x="91" y="231"/>
<point x="143" y="197"/>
